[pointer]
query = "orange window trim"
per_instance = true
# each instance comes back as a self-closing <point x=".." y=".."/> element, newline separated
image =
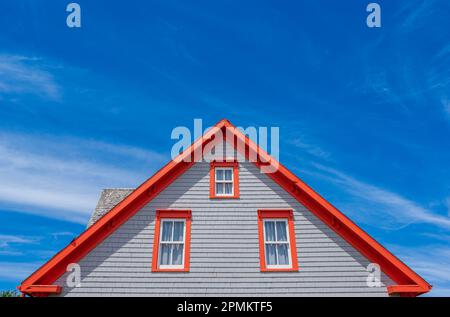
<point x="212" y="178"/>
<point x="270" y="214"/>
<point x="174" y="214"/>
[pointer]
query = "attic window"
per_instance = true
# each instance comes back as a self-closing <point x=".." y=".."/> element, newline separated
<point x="224" y="179"/>
<point x="171" y="240"/>
<point x="277" y="240"/>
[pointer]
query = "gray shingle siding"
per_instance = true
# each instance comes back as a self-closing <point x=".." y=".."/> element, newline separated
<point x="224" y="248"/>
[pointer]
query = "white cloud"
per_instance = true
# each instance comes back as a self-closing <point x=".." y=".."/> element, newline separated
<point x="432" y="262"/>
<point x="415" y="13"/>
<point x="14" y="271"/>
<point x="447" y="202"/>
<point x="437" y="236"/>
<point x="11" y="253"/>
<point x="7" y="240"/>
<point x="9" y="244"/>
<point x="26" y="75"/>
<point x="378" y="206"/>
<point x="60" y="177"/>
<point x="446" y="106"/>
<point x="309" y="148"/>
<point x="57" y="235"/>
<point x="406" y="87"/>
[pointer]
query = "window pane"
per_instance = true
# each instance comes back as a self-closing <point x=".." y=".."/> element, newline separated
<point x="281" y="231"/>
<point x="166" y="231"/>
<point x="228" y="174"/>
<point x="219" y="189"/>
<point x="165" y="254"/>
<point x="219" y="174"/>
<point x="271" y="256"/>
<point x="178" y="231"/>
<point x="269" y="229"/>
<point x="283" y="258"/>
<point x="177" y="255"/>
<point x="228" y="188"/>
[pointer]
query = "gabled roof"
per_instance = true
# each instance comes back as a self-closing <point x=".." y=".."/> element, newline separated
<point x="408" y="282"/>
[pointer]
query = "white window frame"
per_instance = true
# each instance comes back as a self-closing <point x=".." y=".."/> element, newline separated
<point x="277" y="266"/>
<point x="223" y="181"/>
<point x="171" y="266"/>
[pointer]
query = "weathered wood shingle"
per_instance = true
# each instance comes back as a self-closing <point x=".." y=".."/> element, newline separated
<point x="109" y="198"/>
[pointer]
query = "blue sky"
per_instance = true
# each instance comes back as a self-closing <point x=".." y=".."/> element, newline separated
<point x="364" y="114"/>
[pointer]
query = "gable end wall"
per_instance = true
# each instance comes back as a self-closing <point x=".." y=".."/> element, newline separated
<point x="224" y="248"/>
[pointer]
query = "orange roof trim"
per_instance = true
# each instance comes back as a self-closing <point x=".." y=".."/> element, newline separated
<point x="408" y="282"/>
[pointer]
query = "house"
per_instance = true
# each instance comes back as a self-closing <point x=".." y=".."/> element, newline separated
<point x="218" y="226"/>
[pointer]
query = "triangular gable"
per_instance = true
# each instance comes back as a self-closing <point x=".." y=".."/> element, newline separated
<point x="408" y="282"/>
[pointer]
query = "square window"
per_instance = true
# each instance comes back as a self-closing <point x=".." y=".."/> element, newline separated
<point x="224" y="178"/>
<point x="224" y="181"/>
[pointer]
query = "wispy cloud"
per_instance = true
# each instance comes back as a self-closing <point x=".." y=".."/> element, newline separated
<point x="446" y="106"/>
<point x="27" y="75"/>
<point x="7" y="240"/>
<point x="61" y="177"/>
<point x="447" y="203"/>
<point x="16" y="271"/>
<point x="438" y="78"/>
<point x="437" y="236"/>
<point x="58" y="235"/>
<point x="419" y="83"/>
<point x="10" y="244"/>
<point x="309" y="148"/>
<point x="430" y="261"/>
<point x="415" y="13"/>
<point x="378" y="206"/>
<point x="382" y="208"/>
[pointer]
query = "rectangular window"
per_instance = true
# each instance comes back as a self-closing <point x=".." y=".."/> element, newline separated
<point x="224" y="181"/>
<point x="171" y="244"/>
<point x="277" y="240"/>
<point x="224" y="178"/>
<point x="276" y="244"/>
<point x="171" y="240"/>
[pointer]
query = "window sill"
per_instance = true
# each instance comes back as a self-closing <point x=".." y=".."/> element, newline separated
<point x="224" y="197"/>
<point x="279" y="270"/>
<point x="171" y="270"/>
